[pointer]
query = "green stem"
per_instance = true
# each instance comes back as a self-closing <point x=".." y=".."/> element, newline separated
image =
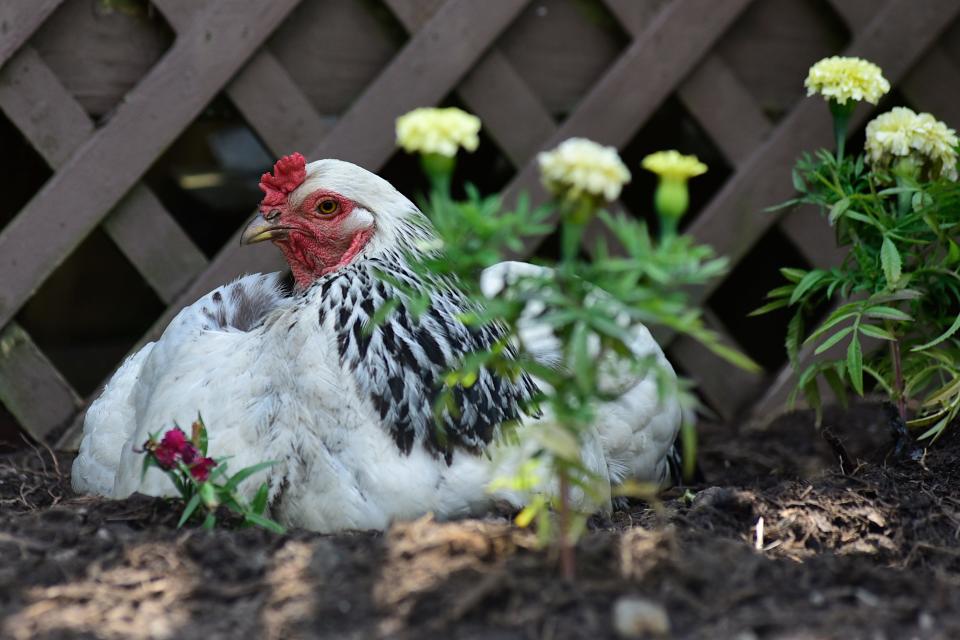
<point x="898" y="379"/>
<point x="568" y="565"/>
<point x="841" y="119"/>
<point x="571" y="236"/>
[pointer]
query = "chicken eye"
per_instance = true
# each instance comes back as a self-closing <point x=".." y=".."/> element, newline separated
<point x="328" y="206"/>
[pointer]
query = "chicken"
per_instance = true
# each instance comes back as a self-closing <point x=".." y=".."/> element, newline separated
<point x="298" y="378"/>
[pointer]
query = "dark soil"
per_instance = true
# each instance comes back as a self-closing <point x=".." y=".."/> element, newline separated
<point x="867" y="551"/>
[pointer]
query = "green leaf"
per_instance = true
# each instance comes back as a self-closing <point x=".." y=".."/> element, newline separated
<point x="208" y="493"/>
<point x="798" y="182"/>
<point x="189" y="509"/>
<point x="245" y="473"/>
<point x="807" y="283"/>
<point x="266" y="523"/>
<point x="147" y="463"/>
<point x="832" y="320"/>
<point x="793" y="275"/>
<point x="838" y="209"/>
<point x="770" y="306"/>
<point x="210" y="521"/>
<point x="876" y="332"/>
<point x="733" y="356"/>
<point x="887" y="313"/>
<point x="855" y="365"/>
<point x="943" y="336"/>
<point x="812" y="393"/>
<point x="204" y="440"/>
<point x="582" y="367"/>
<point x="891" y="262"/>
<point x="793" y="339"/>
<point x="834" y="379"/>
<point x="834" y="339"/>
<point x="259" y="504"/>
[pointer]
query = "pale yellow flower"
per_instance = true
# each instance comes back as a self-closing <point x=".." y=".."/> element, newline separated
<point x="902" y="134"/>
<point x="841" y="79"/>
<point x="579" y="166"/>
<point x="672" y="165"/>
<point x="439" y="131"/>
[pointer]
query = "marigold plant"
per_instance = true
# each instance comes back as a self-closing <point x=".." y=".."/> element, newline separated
<point x="590" y="306"/>
<point x="896" y="296"/>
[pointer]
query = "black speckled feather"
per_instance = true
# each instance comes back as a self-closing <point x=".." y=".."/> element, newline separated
<point x="399" y="365"/>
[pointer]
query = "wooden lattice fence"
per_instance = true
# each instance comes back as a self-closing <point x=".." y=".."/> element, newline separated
<point x="326" y="77"/>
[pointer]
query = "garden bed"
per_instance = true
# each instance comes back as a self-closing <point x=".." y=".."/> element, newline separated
<point x="871" y="553"/>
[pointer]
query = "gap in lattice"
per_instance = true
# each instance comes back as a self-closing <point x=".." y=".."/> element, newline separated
<point x="672" y="127"/>
<point x="745" y="289"/>
<point x="11" y="433"/>
<point x="773" y="43"/>
<point x="24" y="171"/>
<point x="101" y="49"/>
<point x="90" y="312"/>
<point x="561" y="48"/>
<point x="334" y="49"/>
<point x="207" y="179"/>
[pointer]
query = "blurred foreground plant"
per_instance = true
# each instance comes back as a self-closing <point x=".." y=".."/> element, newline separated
<point x="897" y="211"/>
<point x="592" y="307"/>
<point x="203" y="481"/>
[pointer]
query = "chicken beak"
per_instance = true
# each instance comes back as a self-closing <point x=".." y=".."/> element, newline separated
<point x="261" y="229"/>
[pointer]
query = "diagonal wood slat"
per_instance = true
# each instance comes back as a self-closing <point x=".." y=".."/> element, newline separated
<point x="262" y="91"/>
<point x="56" y="125"/>
<point x="511" y="113"/>
<point x="20" y="20"/>
<point x="201" y="60"/>
<point x="31" y="388"/>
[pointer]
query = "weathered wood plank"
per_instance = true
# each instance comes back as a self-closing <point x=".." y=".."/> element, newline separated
<point x="736" y="219"/>
<point x="813" y="236"/>
<point x="98" y="175"/>
<point x="924" y="86"/>
<point x="725" y="109"/>
<point x="275" y="107"/>
<point x="511" y="113"/>
<point x="31" y="388"/>
<point x="263" y="91"/>
<point x="41" y="108"/>
<point x="56" y="125"/>
<point x="152" y="240"/>
<point x="712" y="93"/>
<point x="619" y="105"/>
<point x="20" y="20"/>
<point x="728" y="389"/>
<point x="425" y="70"/>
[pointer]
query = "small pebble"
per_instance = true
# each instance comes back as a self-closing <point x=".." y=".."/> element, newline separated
<point x="635" y="617"/>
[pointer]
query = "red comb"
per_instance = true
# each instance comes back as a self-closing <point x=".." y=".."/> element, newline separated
<point x="288" y="173"/>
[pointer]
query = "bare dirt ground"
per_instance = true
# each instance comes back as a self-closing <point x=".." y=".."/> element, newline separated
<point x="869" y="551"/>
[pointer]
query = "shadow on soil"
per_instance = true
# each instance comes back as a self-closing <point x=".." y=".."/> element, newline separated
<point x="867" y="552"/>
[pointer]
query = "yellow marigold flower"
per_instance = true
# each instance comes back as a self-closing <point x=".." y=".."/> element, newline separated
<point x="440" y="131"/>
<point x="902" y="134"/>
<point x="579" y="166"/>
<point x="841" y="79"/>
<point x="672" y="165"/>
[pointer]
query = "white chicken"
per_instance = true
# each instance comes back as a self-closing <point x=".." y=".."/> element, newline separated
<point x="347" y="412"/>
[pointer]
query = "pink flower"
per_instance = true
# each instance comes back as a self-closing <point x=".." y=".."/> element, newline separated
<point x="172" y="448"/>
<point x="200" y="470"/>
<point x="175" y="439"/>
